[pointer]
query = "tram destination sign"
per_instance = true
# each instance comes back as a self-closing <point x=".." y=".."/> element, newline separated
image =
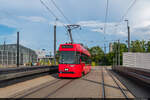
<point x="67" y="46"/>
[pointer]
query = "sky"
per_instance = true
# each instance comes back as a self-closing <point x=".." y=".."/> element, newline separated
<point x="35" y="23"/>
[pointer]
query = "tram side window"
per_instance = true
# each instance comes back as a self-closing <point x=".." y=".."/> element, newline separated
<point x="82" y="58"/>
<point x="85" y="58"/>
<point x="77" y="57"/>
<point x="88" y="60"/>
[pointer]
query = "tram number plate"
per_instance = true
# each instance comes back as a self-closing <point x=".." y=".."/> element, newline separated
<point x="66" y="69"/>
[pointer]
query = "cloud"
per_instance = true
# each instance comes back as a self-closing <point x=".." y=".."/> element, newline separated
<point x="33" y="18"/>
<point x="144" y="30"/>
<point x="58" y="23"/>
<point x="97" y="26"/>
<point x="90" y="23"/>
<point x="139" y="20"/>
<point x="9" y="22"/>
<point x="97" y="30"/>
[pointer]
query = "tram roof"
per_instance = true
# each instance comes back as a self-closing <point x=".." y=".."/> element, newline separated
<point x="74" y="47"/>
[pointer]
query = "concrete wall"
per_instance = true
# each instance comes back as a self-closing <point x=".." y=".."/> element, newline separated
<point x="139" y="60"/>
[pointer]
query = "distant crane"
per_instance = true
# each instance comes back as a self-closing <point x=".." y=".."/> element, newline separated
<point x="70" y="28"/>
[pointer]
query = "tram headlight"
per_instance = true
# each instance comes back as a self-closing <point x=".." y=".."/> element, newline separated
<point x="66" y="69"/>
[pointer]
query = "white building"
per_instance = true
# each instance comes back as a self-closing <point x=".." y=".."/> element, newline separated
<point x="43" y="54"/>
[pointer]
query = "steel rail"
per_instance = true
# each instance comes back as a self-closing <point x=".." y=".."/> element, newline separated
<point x="124" y="85"/>
<point x="53" y="92"/>
<point x="121" y="89"/>
<point x="35" y="89"/>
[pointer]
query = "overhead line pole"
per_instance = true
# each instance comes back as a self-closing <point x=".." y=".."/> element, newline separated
<point x="128" y="28"/>
<point x="128" y="9"/>
<point x="4" y="45"/>
<point x="105" y="48"/>
<point x="118" y="52"/>
<point x="55" y="44"/>
<point x="113" y="62"/>
<point x="105" y="54"/>
<point x="17" y="49"/>
<point x="53" y="14"/>
<point x="105" y="25"/>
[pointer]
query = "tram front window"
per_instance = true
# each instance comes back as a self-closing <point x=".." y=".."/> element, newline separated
<point x="68" y="57"/>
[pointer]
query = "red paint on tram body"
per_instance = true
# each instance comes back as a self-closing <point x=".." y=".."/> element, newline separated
<point x="74" y="60"/>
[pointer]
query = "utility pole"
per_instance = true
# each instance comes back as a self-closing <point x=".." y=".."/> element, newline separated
<point x="55" y="44"/>
<point x="128" y="28"/>
<point x="29" y="55"/>
<point x="105" y="54"/>
<point x="113" y="62"/>
<point x="17" y="49"/>
<point x="4" y="48"/>
<point x="104" y="48"/>
<point x="118" y="52"/>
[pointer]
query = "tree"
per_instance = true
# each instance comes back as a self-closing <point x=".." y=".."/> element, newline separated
<point x="109" y="58"/>
<point x="138" y="46"/>
<point x="97" y="54"/>
<point x="123" y="48"/>
<point x="148" y="46"/>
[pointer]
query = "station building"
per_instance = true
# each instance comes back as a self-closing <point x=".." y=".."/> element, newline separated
<point x="8" y="55"/>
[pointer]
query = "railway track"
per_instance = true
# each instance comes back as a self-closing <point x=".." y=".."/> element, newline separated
<point x="105" y="86"/>
<point x="32" y="91"/>
<point x="122" y="90"/>
<point x="63" y="85"/>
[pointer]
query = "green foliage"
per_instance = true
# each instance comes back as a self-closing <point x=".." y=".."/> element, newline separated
<point x="123" y="48"/>
<point x="109" y="58"/>
<point x="97" y="54"/>
<point x="93" y="63"/>
<point x="148" y="46"/>
<point x="138" y="46"/>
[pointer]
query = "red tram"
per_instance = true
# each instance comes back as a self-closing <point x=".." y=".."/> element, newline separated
<point x="74" y="60"/>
